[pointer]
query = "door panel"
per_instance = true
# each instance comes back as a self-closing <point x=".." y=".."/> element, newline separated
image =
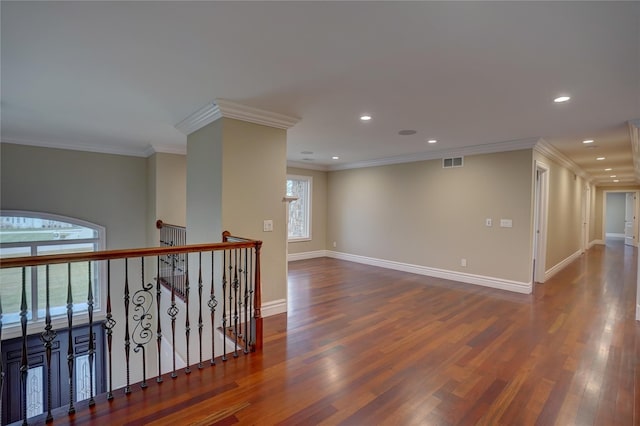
<point x="629" y="218"/>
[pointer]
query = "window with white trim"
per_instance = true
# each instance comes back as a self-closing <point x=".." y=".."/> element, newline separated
<point x="299" y="210"/>
<point x="33" y="234"/>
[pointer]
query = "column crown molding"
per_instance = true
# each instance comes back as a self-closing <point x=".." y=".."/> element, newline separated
<point x="224" y="108"/>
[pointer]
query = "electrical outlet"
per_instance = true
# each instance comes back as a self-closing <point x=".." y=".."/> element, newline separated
<point x="488" y="222"/>
<point x="463" y="263"/>
<point x="334" y="244"/>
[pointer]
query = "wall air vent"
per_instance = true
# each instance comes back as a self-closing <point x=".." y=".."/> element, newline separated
<point x="448" y="163"/>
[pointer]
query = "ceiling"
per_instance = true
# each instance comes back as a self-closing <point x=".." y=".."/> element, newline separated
<point x="118" y="76"/>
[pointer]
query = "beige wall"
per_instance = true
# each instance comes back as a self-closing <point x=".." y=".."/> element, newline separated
<point x="422" y="214"/>
<point x="254" y="181"/>
<point x="564" y="226"/>
<point x="318" y="212"/>
<point x="167" y="192"/>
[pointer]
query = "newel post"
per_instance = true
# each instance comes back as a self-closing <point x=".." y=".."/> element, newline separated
<point x="257" y="300"/>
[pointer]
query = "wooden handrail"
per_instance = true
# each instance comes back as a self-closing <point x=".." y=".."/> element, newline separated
<point x="16" y="262"/>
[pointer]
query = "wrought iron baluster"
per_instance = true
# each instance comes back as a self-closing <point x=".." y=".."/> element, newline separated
<point x="200" y="325"/>
<point x="173" y="312"/>
<point x="224" y="303"/>
<point x="70" y="356"/>
<point x="212" y="308"/>
<point x="246" y="302"/>
<point x="233" y="299"/>
<point x="92" y="348"/>
<point x="108" y="325"/>
<point x="250" y="306"/>
<point x="142" y="334"/>
<point x="187" y="327"/>
<point x="158" y="325"/>
<point x="24" y="363"/>
<point x="127" y="336"/>
<point x="47" y="337"/>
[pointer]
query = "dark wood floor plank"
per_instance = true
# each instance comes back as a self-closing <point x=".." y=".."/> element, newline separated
<point x="363" y="345"/>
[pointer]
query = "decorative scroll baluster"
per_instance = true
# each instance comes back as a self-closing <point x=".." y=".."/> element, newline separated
<point x="212" y="307"/>
<point x="235" y="303"/>
<point x="187" y="327"/>
<point x="92" y="348"/>
<point x="47" y="337"/>
<point x="24" y="363"/>
<point x="158" y="323"/>
<point x="108" y="325"/>
<point x="127" y="336"/>
<point x="224" y="303"/>
<point x="173" y="312"/>
<point x="200" y="308"/>
<point x="142" y="334"/>
<point x="246" y="301"/>
<point x="70" y="357"/>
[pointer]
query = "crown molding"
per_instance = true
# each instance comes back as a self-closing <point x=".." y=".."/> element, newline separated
<point x="165" y="149"/>
<point x="634" y="131"/>
<point x="255" y="115"/>
<point x="200" y="118"/>
<point x="546" y="149"/>
<point x="97" y="148"/>
<point x="490" y="148"/>
<point x="224" y="108"/>
<point x="307" y="166"/>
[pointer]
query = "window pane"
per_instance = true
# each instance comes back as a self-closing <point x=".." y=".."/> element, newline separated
<point x="21" y="229"/>
<point x="299" y="210"/>
<point x="11" y="285"/>
<point x="58" y="280"/>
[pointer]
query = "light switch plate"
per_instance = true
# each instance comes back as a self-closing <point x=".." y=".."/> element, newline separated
<point x="506" y="223"/>
<point x="267" y="226"/>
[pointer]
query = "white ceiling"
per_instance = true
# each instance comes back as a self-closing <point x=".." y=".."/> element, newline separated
<point x="118" y="76"/>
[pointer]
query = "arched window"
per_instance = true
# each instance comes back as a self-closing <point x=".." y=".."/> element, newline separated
<point x="25" y="233"/>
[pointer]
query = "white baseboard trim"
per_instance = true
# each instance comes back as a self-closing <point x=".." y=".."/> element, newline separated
<point x="596" y="242"/>
<point x="561" y="265"/>
<point x="291" y="257"/>
<point x="499" y="283"/>
<point x="274" y="307"/>
<point x="614" y="235"/>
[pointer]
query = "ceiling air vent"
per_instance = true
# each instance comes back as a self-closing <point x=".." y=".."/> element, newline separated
<point x="447" y="163"/>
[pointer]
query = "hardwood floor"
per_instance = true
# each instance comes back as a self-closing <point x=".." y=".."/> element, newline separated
<point x="368" y="346"/>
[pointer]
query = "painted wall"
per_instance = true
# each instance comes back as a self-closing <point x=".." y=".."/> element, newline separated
<point x="254" y="183"/>
<point x="614" y="216"/>
<point x="419" y="213"/>
<point x="318" y="212"/>
<point x="564" y="223"/>
<point x="166" y="193"/>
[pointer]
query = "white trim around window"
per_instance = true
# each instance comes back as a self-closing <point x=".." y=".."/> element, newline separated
<point x="299" y="215"/>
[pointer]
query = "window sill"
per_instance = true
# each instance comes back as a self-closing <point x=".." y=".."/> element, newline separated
<point x="298" y="240"/>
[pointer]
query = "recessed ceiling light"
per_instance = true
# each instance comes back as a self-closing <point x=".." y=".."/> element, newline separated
<point x="600" y="158"/>
<point x="306" y="152"/>
<point x="335" y="157"/>
<point x="407" y="132"/>
<point x="432" y="141"/>
<point x="616" y="180"/>
<point x="365" y="117"/>
<point x="608" y="169"/>
<point x="613" y="176"/>
<point x="560" y="99"/>
<point x="588" y="141"/>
